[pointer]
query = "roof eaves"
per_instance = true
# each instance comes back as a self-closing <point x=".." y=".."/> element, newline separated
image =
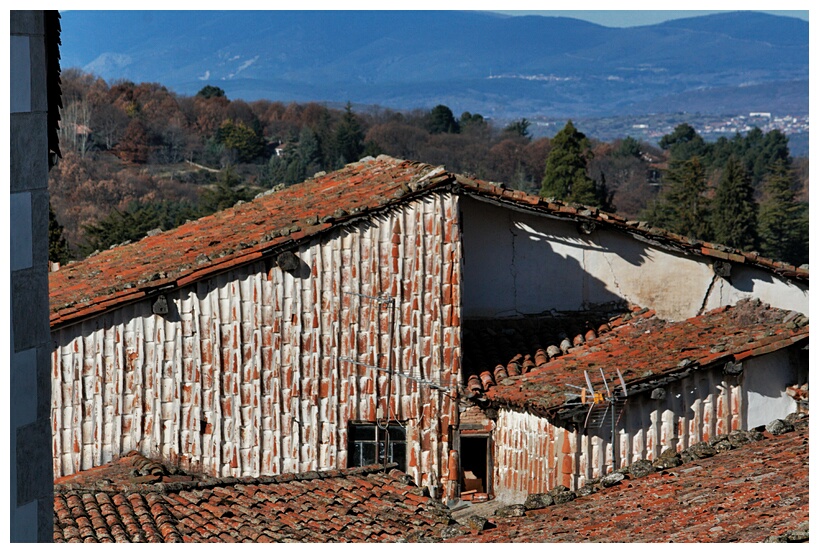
<point x="640" y="385"/>
<point x="788" y="335"/>
<point x="429" y="179"/>
<point x="638" y="229"/>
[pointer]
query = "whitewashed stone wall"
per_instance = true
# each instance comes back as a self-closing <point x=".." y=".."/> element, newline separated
<point x="533" y="456"/>
<point x="245" y="374"/>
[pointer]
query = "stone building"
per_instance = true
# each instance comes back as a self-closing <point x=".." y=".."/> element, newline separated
<point x="628" y="390"/>
<point x="34" y="101"/>
<point x="328" y="325"/>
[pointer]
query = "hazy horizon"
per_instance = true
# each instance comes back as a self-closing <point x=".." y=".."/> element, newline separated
<point x="630" y="16"/>
<point x="636" y="18"/>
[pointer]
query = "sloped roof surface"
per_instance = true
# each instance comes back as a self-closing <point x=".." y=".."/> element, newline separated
<point x="228" y="238"/>
<point x="488" y="342"/>
<point x="280" y="220"/>
<point x="135" y="499"/>
<point x="644" y="348"/>
<point x="754" y="493"/>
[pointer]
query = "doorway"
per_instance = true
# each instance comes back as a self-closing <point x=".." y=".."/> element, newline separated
<point x="476" y="465"/>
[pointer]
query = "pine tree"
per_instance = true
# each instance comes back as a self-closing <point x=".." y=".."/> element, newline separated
<point x="225" y="194"/>
<point x="134" y="223"/>
<point x="348" y="137"/>
<point x="682" y="206"/>
<point x="566" y="176"/>
<point x="518" y="128"/>
<point x="734" y="215"/>
<point x="210" y="91"/>
<point x="783" y="222"/>
<point x="441" y="120"/>
<point x="308" y="151"/>
<point x="237" y="136"/>
<point x="684" y="143"/>
<point x="58" y="251"/>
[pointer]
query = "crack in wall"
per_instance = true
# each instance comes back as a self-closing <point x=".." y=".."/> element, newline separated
<point x="605" y="256"/>
<point x="513" y="270"/>
<point x="707" y="295"/>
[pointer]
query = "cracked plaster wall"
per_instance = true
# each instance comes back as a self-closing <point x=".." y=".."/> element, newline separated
<point x="521" y="263"/>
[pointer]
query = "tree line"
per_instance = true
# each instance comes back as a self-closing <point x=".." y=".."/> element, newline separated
<point x="138" y="157"/>
<point x="739" y="191"/>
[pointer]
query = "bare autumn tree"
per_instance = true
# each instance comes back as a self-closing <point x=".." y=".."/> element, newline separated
<point x="399" y="139"/>
<point x="625" y="166"/>
<point x="75" y="126"/>
<point x="75" y="84"/>
<point x="108" y="123"/>
<point x="209" y="113"/>
<point x="134" y="145"/>
<point x="175" y="142"/>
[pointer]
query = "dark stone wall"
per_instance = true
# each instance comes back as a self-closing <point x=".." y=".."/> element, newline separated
<point x="31" y="497"/>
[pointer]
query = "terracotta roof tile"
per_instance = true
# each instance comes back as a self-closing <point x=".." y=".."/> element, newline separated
<point x="235" y="236"/>
<point x="754" y="493"/>
<point x="644" y="348"/>
<point x="278" y="221"/>
<point x="105" y="505"/>
<point x="491" y="342"/>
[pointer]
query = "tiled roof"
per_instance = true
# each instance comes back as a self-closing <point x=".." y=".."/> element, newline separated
<point x="231" y="237"/>
<point x="643" y="347"/>
<point x="135" y="499"/>
<point x="756" y="492"/>
<point x="278" y="221"/>
<point x="488" y="342"/>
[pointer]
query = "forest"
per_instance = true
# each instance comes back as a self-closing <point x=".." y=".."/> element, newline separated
<point x="138" y="158"/>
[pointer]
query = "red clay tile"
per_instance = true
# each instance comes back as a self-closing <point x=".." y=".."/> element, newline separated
<point x="277" y="222"/>
<point x="647" y="347"/>
<point x="371" y="506"/>
<point x="753" y="493"/>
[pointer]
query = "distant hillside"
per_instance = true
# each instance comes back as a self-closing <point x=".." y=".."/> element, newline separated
<point x="481" y="62"/>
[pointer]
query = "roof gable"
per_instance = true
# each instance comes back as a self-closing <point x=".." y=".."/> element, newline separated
<point x="234" y="236"/>
<point x="279" y="221"/>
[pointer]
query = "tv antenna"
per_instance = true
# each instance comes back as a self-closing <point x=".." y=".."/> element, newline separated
<point x="606" y="403"/>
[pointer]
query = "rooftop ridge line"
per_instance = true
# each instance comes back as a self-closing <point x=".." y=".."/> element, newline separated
<point x="209" y="483"/>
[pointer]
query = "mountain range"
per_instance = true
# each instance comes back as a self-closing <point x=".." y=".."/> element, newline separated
<point x="497" y="65"/>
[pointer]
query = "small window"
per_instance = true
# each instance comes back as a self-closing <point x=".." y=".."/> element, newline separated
<point x="368" y="444"/>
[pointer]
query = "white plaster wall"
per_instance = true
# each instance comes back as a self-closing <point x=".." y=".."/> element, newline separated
<point x="750" y="282"/>
<point x="522" y="263"/>
<point x="765" y="381"/>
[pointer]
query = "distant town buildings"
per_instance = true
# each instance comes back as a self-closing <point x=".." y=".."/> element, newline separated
<point x="652" y="128"/>
<point x="765" y="121"/>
